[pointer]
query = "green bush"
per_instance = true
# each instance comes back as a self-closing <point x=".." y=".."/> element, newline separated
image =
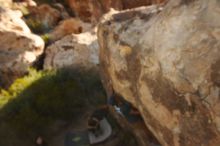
<point x="19" y="85"/>
<point x="34" y="102"/>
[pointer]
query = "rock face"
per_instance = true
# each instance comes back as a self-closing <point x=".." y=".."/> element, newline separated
<point x="92" y="10"/>
<point x="18" y="46"/>
<point x="76" y="50"/>
<point x="166" y="62"/>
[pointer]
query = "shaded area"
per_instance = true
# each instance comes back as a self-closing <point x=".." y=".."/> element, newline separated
<point x="54" y="100"/>
<point x="105" y="132"/>
<point x="54" y="105"/>
<point x="77" y="139"/>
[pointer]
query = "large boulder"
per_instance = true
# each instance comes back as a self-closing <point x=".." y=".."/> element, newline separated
<point x="19" y="48"/>
<point x="75" y="50"/>
<point x="166" y="62"/>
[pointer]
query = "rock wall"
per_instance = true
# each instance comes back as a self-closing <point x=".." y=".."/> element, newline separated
<point x="166" y="62"/>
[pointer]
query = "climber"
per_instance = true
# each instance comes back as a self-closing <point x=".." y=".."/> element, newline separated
<point x="94" y="126"/>
<point x="95" y="118"/>
<point x="129" y="112"/>
<point x="124" y="108"/>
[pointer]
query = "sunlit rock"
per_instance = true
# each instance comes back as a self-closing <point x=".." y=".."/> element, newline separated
<point x="75" y="50"/>
<point x="166" y="62"/>
<point x="19" y="48"/>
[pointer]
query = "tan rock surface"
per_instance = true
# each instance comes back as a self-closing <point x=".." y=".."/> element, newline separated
<point x="167" y="65"/>
<point x="18" y="46"/>
<point x="76" y="50"/>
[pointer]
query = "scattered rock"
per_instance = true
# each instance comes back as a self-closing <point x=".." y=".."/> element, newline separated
<point x="166" y="63"/>
<point x="43" y="18"/>
<point x="30" y="3"/>
<point x="18" y="46"/>
<point x="26" y="3"/>
<point x="92" y="10"/>
<point x="67" y="27"/>
<point x="23" y="6"/>
<point x="76" y="50"/>
<point x="63" y="12"/>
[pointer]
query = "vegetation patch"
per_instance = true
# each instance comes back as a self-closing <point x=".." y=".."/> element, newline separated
<point x="36" y="101"/>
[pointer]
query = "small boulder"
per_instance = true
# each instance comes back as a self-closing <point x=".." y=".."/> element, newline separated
<point x="75" y="50"/>
<point x="67" y="27"/>
<point x="43" y="18"/>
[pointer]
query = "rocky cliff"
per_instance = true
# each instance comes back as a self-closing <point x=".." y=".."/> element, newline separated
<point x="166" y="62"/>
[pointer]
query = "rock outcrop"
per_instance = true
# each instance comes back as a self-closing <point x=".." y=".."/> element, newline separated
<point x="166" y="62"/>
<point x="75" y="50"/>
<point x="18" y="46"/>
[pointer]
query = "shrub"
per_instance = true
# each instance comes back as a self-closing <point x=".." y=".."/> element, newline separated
<point x="34" y="102"/>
